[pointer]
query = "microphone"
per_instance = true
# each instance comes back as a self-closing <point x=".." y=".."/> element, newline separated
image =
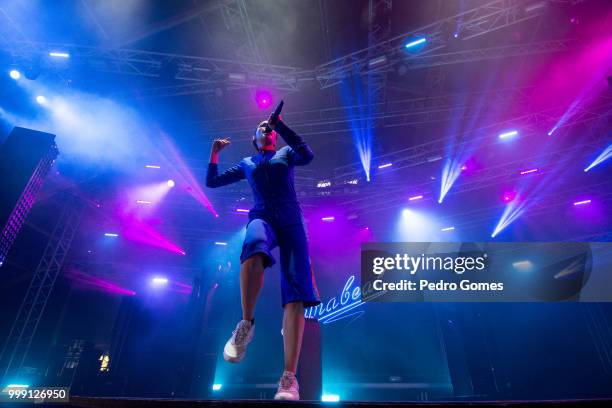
<point x="276" y="114"/>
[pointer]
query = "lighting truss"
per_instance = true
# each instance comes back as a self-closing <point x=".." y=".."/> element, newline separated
<point x="473" y="23"/>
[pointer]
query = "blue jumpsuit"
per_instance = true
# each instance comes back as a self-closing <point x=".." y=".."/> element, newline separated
<point x="276" y="218"/>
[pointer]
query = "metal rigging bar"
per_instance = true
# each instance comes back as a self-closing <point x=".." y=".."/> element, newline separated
<point x="478" y="21"/>
<point x="22" y="332"/>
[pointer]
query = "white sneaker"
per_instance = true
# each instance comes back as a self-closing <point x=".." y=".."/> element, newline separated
<point x="235" y="348"/>
<point x="288" y="387"/>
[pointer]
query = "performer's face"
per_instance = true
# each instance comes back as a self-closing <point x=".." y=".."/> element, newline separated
<point x="264" y="138"/>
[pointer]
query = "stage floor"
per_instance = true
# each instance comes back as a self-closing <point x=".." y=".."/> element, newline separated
<point x="89" y="402"/>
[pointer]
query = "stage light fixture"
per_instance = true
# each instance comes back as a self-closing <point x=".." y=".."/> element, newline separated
<point x="528" y="171"/>
<point x="415" y="42"/>
<point x="15" y="74"/>
<point x="41" y="99"/>
<point x="582" y="202"/>
<point x="159" y="280"/>
<point x="603" y="156"/>
<point x="523" y="266"/>
<point x="59" y="54"/>
<point x="382" y="166"/>
<point x="170" y="183"/>
<point x="508" y="135"/>
<point x="508" y="196"/>
<point x="330" y="398"/>
<point x="263" y="99"/>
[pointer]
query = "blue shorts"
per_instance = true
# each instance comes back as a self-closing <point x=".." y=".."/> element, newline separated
<point x="297" y="278"/>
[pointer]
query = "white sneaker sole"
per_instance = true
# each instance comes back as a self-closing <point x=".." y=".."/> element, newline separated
<point x="229" y="358"/>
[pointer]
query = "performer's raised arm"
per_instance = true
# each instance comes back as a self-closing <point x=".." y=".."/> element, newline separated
<point x="301" y="154"/>
<point x="231" y="175"/>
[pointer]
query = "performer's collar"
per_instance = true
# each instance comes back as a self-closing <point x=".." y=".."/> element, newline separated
<point x="267" y="148"/>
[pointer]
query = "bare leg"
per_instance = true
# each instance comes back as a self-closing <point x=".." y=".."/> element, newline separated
<point x="251" y="281"/>
<point x="293" y="329"/>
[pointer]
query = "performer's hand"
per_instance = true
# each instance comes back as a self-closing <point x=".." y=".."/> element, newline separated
<point x="220" y="144"/>
<point x="272" y="124"/>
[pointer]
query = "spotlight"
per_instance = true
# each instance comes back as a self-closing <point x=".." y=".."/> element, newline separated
<point x="415" y="42"/>
<point x="171" y="183"/>
<point x="523" y="266"/>
<point x="328" y="219"/>
<point x="15" y="74"/>
<point x="382" y="166"/>
<point x="143" y="202"/>
<point x="603" y="156"/>
<point x="551" y="131"/>
<point x="417" y="197"/>
<point x="111" y="234"/>
<point x="508" y="135"/>
<point x="406" y="212"/>
<point x="41" y="99"/>
<point x="447" y="229"/>
<point x="58" y="54"/>
<point x="152" y="166"/>
<point x="508" y="196"/>
<point x="217" y="387"/>
<point x="330" y="398"/>
<point x="159" y="281"/>
<point x="242" y="210"/>
<point x="220" y="243"/>
<point x="583" y="202"/>
<point x="263" y="99"/>
<point x="528" y="171"/>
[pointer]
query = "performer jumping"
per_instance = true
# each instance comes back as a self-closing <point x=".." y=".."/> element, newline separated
<point x="275" y="220"/>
